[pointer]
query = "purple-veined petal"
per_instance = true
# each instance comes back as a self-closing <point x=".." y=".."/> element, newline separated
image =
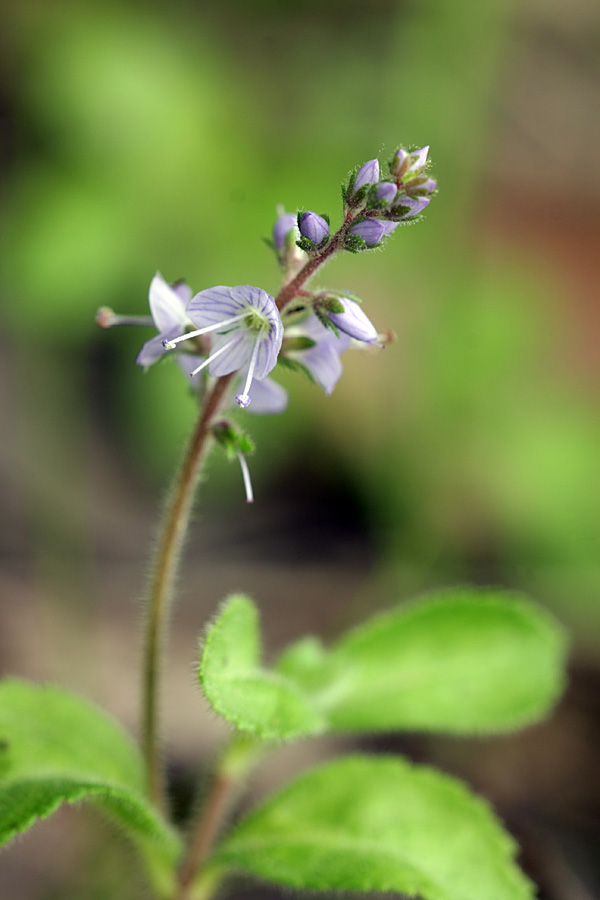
<point x="166" y="305"/>
<point x="235" y="357"/>
<point x="323" y="363"/>
<point x="354" y="322"/>
<point x="367" y="174"/>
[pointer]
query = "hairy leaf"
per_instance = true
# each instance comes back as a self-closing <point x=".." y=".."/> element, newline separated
<point x="461" y="661"/>
<point x="57" y="748"/>
<point x="379" y="824"/>
<point x="255" y="700"/>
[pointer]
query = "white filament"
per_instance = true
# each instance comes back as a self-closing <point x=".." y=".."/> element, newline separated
<point x="246" y="477"/>
<point x="192" y="334"/>
<point x="213" y="356"/>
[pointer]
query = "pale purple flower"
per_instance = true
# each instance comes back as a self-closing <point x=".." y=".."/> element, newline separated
<point x="372" y="231"/>
<point x="246" y="331"/>
<point x="168" y="308"/>
<point x="386" y="191"/>
<point x="367" y="174"/>
<point x="322" y="360"/>
<point x="285" y="223"/>
<point x="354" y="322"/>
<point x="314" y="227"/>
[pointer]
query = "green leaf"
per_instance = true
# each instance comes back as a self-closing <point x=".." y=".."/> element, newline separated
<point x="58" y="748"/>
<point x="379" y="824"/>
<point x="462" y="661"/>
<point x="263" y="703"/>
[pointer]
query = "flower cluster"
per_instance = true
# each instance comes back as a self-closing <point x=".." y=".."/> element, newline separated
<point x="384" y="203"/>
<point x="243" y="331"/>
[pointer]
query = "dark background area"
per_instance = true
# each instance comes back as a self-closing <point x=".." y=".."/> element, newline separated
<point x="138" y="137"/>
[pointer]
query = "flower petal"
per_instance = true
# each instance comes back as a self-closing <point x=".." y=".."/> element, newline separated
<point x="267" y="397"/>
<point x="166" y="305"/>
<point x="153" y="349"/>
<point x="323" y="363"/>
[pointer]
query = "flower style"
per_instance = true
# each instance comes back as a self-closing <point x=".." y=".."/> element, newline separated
<point x="246" y="331"/>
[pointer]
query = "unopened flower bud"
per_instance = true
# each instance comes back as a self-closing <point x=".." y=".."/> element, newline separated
<point x="353" y="322"/>
<point x="367" y="174"/>
<point x="399" y="164"/>
<point x="372" y="231"/>
<point x="409" y="207"/>
<point x="420" y="186"/>
<point x="418" y="160"/>
<point x="313" y="227"/>
<point x="386" y="191"/>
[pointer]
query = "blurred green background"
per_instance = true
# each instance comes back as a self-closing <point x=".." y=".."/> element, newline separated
<point x="145" y="136"/>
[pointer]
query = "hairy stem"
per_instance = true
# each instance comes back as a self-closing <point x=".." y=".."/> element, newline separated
<point x="160" y="584"/>
<point x="237" y="761"/>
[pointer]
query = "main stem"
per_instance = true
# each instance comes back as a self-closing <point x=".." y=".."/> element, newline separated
<point x="171" y="538"/>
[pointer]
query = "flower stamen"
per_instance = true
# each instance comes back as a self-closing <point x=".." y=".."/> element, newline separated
<point x="243" y="399"/>
<point x="170" y="345"/>
<point x="212" y="357"/>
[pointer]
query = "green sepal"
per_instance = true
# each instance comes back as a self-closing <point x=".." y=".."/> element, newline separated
<point x="294" y="366"/>
<point x="232" y="439"/>
<point x="331" y="304"/>
<point x="255" y="700"/>
<point x="378" y="824"/>
<point x="355" y="244"/>
<point x="306" y="245"/>
<point x="326" y="321"/>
